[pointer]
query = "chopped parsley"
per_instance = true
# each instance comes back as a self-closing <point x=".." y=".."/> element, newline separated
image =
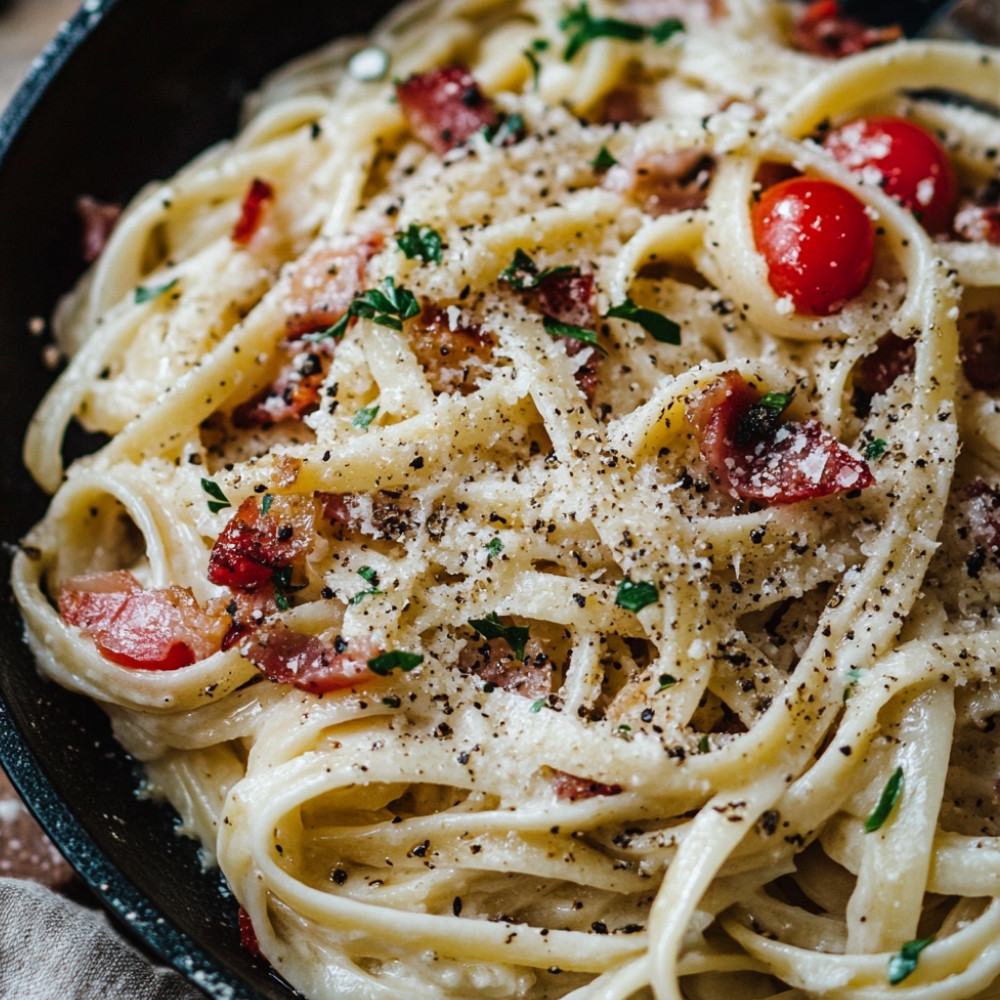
<point x="283" y="587"/>
<point x="763" y="418"/>
<point x="556" y="328"/>
<point x="661" y="329"/>
<point x="905" y="960"/>
<point x="875" y="449"/>
<point x="531" y="54"/>
<point x="146" y="293"/>
<point x="624" y="732"/>
<point x="491" y="627"/>
<point x="522" y="272"/>
<point x="219" y="499"/>
<point x="364" y="417"/>
<point x="420" y="242"/>
<point x="537" y="706"/>
<point x="369" y="576"/>
<point x="511" y="129"/>
<point x="387" y="306"/>
<point x="703" y="745"/>
<point x="265" y="504"/>
<point x="392" y="701"/>
<point x="603" y="162"/>
<point x="494" y="547"/>
<point x="890" y="796"/>
<point x="635" y="596"/>
<point x="395" y="659"/>
<point x="583" y="28"/>
<point x="666" y="680"/>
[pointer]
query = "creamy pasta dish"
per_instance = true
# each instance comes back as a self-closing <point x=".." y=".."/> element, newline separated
<point x="546" y="536"/>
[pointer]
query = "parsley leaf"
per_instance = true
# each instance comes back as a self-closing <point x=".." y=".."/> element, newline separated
<point x="555" y="328"/>
<point x="603" y="162"/>
<point x="763" y="418"/>
<point x="583" y="28"/>
<point x="635" y="596"/>
<point x="369" y="576"/>
<point x="905" y="960"/>
<point x="395" y="659"/>
<point x="890" y="795"/>
<point x="661" y="329"/>
<point x="364" y="417"/>
<point x="420" y="242"/>
<point x="491" y="627"/>
<point x="146" y="293"/>
<point x="538" y="705"/>
<point x="494" y="547"/>
<point x="282" y="580"/>
<point x="265" y="504"/>
<point x="875" y="449"/>
<point x="703" y="745"/>
<point x="387" y="306"/>
<point x="220" y="501"/>
<point x="522" y="272"/>
<point x="666" y="680"/>
<point x="510" y="130"/>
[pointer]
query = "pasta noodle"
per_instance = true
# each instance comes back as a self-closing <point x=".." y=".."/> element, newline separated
<point x="517" y="589"/>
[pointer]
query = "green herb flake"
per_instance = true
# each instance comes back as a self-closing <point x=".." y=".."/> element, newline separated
<point x="395" y="659"/>
<point x="536" y="67"/>
<point x="703" y="745"/>
<point x="392" y="701"/>
<point x="583" y="28"/>
<point x="522" y="272"/>
<point x="624" y="732"/>
<point x="777" y="402"/>
<point x="265" y="504"/>
<point x="661" y="329"/>
<point x="388" y="306"/>
<point x="491" y="627"/>
<point x="905" y="960"/>
<point x="494" y="547"/>
<point x="763" y="418"/>
<point x="555" y="328"/>
<point x="666" y="680"/>
<point x="890" y="796"/>
<point x="364" y="417"/>
<point x="369" y="576"/>
<point x="603" y="162"/>
<point x="420" y="243"/>
<point x="537" y="706"/>
<point x="219" y="499"/>
<point x="146" y="293"/>
<point x="875" y="449"/>
<point x="635" y="596"/>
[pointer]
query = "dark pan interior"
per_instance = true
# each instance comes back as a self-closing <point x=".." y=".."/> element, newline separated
<point x="128" y="91"/>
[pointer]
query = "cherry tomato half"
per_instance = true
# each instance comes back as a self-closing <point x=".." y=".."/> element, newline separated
<point x="817" y="241"/>
<point x="905" y="159"/>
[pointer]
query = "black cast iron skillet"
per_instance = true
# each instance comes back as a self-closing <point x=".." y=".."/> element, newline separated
<point x="128" y="91"/>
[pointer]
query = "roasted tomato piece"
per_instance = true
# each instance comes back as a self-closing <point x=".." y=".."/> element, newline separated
<point x="325" y="283"/>
<point x="445" y="107"/>
<point x="817" y="241"/>
<point x="571" y="787"/>
<point x="255" y="202"/>
<point x="161" y="629"/>
<point x="874" y="373"/>
<point x="977" y="219"/>
<point x="904" y="158"/>
<point x="455" y="357"/>
<point x="306" y="661"/>
<point x="662" y="183"/>
<point x="295" y="393"/>
<point x="755" y="454"/>
<point x="266" y="533"/>
<point x="494" y="661"/>
<point x="248" y="936"/>
<point x="824" y="30"/>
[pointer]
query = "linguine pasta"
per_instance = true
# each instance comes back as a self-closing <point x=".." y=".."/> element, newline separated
<point x="487" y="664"/>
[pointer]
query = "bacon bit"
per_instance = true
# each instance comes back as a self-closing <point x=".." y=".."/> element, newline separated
<point x="980" y="349"/>
<point x="795" y="461"/>
<point x="824" y="30"/>
<point x="983" y="512"/>
<point x="455" y="358"/>
<point x="295" y="393"/>
<point x="162" y="629"/>
<point x="325" y="283"/>
<point x="98" y="219"/>
<point x="494" y="662"/>
<point x="445" y="107"/>
<point x="570" y="787"/>
<point x="255" y="201"/>
<point x="664" y="183"/>
<point x="622" y="106"/>
<point x="875" y="373"/>
<point x="248" y="936"/>
<point x="381" y="515"/>
<point x="306" y="661"/>
<point x="254" y="544"/>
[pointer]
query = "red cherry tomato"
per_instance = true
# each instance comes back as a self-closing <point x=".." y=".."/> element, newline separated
<point x="905" y="159"/>
<point x="817" y="241"/>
